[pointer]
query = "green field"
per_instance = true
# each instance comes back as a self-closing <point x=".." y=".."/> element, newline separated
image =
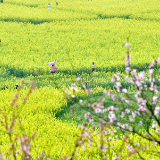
<point x="74" y="34"/>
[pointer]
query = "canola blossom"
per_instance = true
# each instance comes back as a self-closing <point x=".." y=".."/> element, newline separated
<point x="76" y="33"/>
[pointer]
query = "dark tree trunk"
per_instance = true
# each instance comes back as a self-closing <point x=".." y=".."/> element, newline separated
<point x="1" y="1"/>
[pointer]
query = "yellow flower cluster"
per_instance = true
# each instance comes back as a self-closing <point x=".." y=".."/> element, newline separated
<point x="79" y="31"/>
<point x="56" y="137"/>
<point x="90" y="31"/>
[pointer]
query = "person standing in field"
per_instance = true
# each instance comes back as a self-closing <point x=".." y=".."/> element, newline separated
<point x="53" y="68"/>
<point x="16" y="86"/>
<point x="49" y="6"/>
<point x="93" y="66"/>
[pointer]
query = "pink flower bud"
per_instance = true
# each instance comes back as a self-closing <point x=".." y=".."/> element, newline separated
<point x="17" y="152"/>
<point x="88" y="91"/>
<point x="73" y="96"/>
<point x="140" y="123"/>
<point x="158" y="60"/>
<point x="84" y="148"/>
<point x="90" y="144"/>
<point x="128" y="69"/>
<point x="150" y="66"/>
<point x="36" y="73"/>
<point x="124" y="90"/>
<point x="78" y="78"/>
<point x="127" y="46"/>
<point x="83" y="86"/>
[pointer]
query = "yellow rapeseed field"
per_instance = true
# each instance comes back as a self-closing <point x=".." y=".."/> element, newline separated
<point x="76" y="32"/>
